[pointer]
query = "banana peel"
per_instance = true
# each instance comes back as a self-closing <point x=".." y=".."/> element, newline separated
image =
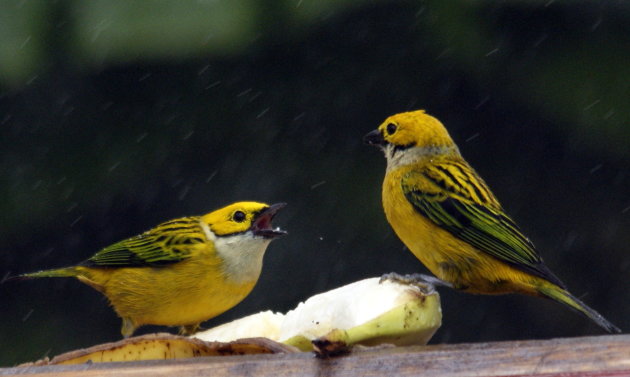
<point x="368" y="312"/>
<point x="163" y="346"/>
<point x="408" y="324"/>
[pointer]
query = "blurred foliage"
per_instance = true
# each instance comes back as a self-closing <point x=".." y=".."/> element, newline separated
<point x="117" y="115"/>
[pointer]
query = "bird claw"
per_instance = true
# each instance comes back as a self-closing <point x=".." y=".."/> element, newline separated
<point x="422" y="281"/>
<point x="188" y="330"/>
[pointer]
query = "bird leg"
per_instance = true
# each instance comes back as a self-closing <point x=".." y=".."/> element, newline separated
<point x="128" y="327"/>
<point x="189" y="329"/>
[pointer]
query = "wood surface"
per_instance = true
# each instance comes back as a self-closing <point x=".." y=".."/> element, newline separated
<point x="587" y="356"/>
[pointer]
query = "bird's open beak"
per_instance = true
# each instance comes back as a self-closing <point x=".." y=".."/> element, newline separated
<point x="262" y="224"/>
<point x="374" y="138"/>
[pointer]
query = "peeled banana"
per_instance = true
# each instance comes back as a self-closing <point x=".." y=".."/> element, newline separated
<point x="367" y="312"/>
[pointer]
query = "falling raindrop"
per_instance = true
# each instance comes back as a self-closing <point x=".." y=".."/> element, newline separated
<point x="244" y="92"/>
<point x="595" y="168"/>
<point x="141" y="137"/>
<point x="492" y="52"/>
<point x="188" y="135"/>
<point x="183" y="192"/>
<point x="540" y="40"/>
<point x="256" y="95"/>
<point x="114" y="166"/>
<point x="609" y="114"/>
<point x="28" y="39"/>
<point x="591" y="105"/>
<point x="203" y="70"/>
<point x="213" y="84"/>
<point x="262" y="113"/>
<point x="316" y="185"/>
<point x="482" y="102"/>
<point x="72" y="224"/>
<point x="597" y="23"/>
<point x="211" y="176"/>
<point x="473" y="137"/>
<point x="27" y="315"/>
<point x="145" y="76"/>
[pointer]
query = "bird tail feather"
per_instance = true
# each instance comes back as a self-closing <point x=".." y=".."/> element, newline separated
<point x="562" y="296"/>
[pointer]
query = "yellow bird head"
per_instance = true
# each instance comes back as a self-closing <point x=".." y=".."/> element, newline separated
<point x="405" y="137"/>
<point x="242" y="217"/>
<point x="240" y="234"/>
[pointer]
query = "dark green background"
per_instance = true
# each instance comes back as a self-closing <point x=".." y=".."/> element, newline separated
<point x="117" y="115"/>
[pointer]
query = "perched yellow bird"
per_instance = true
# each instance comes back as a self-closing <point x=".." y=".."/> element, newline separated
<point x="450" y="220"/>
<point x="183" y="271"/>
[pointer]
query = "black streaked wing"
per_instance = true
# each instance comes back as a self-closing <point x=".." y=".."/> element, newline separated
<point x="167" y="243"/>
<point x="452" y="196"/>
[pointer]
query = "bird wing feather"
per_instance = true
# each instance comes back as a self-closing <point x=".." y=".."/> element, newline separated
<point x="455" y="198"/>
<point x="167" y="243"/>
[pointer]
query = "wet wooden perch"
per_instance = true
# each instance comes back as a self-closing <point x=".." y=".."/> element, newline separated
<point x="588" y="356"/>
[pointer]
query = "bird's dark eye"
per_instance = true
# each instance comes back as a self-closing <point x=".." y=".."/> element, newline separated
<point x="391" y="128"/>
<point x="239" y="216"/>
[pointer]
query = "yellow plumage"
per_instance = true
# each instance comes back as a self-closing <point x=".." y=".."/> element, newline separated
<point x="450" y="220"/>
<point x="183" y="271"/>
<point x="447" y="257"/>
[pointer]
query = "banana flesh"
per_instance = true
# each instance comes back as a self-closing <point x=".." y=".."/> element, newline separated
<point x="367" y="312"/>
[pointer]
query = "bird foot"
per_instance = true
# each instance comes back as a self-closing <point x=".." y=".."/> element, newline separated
<point x="422" y="281"/>
<point x="128" y="327"/>
<point x="188" y="330"/>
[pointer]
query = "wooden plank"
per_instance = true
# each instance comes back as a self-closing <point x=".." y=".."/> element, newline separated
<point x="588" y="356"/>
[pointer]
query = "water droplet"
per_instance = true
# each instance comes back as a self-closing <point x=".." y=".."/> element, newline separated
<point x="188" y="135"/>
<point x="591" y="105"/>
<point x="28" y="314"/>
<point x="28" y="39"/>
<point x="141" y="137"/>
<point x="595" y="168"/>
<point x="183" y="193"/>
<point x="262" y="113"/>
<point x="244" y="92"/>
<point x="145" y="76"/>
<point x="113" y="167"/>
<point x="473" y="137"/>
<point x="492" y="52"/>
<point x="203" y="70"/>
<point x="482" y="102"/>
<point x="211" y="176"/>
<point x="316" y="185"/>
<point x="213" y="84"/>
<point x="72" y="224"/>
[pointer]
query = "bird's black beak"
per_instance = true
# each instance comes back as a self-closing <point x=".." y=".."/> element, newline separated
<point x="374" y="138"/>
<point x="262" y="224"/>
